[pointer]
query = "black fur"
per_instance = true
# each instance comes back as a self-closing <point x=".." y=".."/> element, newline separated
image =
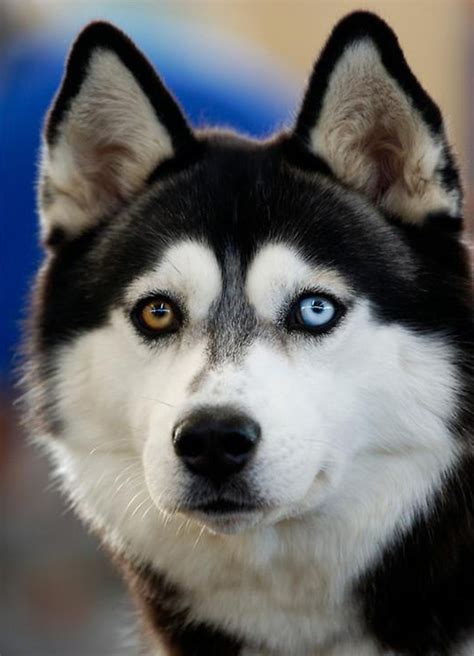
<point x="419" y="599"/>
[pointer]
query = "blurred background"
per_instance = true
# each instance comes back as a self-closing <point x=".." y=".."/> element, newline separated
<point x="239" y="64"/>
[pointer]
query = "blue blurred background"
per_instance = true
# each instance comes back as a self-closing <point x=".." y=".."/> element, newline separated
<point x="241" y="65"/>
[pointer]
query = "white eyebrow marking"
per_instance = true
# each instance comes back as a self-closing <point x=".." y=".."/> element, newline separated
<point x="278" y="271"/>
<point x="190" y="270"/>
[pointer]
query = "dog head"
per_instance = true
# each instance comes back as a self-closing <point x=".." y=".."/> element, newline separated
<point x="242" y="331"/>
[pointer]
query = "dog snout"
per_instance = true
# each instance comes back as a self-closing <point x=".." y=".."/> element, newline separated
<point x="216" y="442"/>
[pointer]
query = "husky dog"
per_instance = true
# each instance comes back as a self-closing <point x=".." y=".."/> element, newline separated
<point x="252" y="362"/>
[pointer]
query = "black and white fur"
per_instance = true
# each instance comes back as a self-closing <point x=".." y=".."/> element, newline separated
<point x="360" y="541"/>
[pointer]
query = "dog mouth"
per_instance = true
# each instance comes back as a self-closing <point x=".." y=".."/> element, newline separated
<point x="224" y="507"/>
<point x="225" y="515"/>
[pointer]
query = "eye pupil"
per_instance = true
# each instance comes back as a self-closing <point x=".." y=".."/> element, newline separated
<point x="159" y="310"/>
<point x="317" y="306"/>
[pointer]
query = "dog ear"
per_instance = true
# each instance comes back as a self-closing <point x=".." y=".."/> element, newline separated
<point x="366" y="115"/>
<point x="111" y="123"/>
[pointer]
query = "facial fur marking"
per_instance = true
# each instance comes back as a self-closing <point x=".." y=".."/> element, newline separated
<point x="233" y="321"/>
<point x="190" y="270"/>
<point x="278" y="270"/>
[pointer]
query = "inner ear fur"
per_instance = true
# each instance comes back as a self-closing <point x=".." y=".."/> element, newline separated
<point x="366" y="115"/>
<point x="111" y="124"/>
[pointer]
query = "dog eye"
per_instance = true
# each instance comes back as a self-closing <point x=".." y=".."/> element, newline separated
<point x="156" y="316"/>
<point x="313" y="312"/>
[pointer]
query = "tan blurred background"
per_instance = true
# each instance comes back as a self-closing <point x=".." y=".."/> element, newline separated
<point x="431" y="32"/>
<point x="58" y="595"/>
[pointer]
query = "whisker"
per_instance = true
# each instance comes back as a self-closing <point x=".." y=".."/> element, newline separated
<point x="104" y="449"/>
<point x="135" y="478"/>
<point x="150" y="398"/>
<point x="198" y="537"/>
<point x="139" y="506"/>
<point x="150" y="507"/>
<point x="132" y="500"/>
<point x="123" y="472"/>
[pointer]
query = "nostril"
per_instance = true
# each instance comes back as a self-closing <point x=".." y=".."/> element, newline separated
<point x="237" y="443"/>
<point x="189" y="444"/>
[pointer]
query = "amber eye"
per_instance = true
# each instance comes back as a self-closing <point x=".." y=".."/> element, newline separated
<point x="157" y="315"/>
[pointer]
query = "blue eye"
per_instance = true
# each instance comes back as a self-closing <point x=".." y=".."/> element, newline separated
<point x="313" y="312"/>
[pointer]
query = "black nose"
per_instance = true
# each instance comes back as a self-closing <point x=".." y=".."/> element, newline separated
<point x="216" y="442"/>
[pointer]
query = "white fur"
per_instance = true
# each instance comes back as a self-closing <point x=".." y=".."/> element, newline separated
<point x="108" y="142"/>
<point x="353" y="442"/>
<point x="366" y="116"/>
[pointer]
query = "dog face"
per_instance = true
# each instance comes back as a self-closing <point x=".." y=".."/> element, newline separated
<point x="242" y="332"/>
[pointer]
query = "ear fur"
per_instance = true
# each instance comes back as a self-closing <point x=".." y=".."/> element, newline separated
<point x="111" y="123"/>
<point x="369" y="119"/>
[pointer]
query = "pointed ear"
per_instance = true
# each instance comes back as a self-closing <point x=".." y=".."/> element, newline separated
<point x="111" y="123"/>
<point x="369" y="119"/>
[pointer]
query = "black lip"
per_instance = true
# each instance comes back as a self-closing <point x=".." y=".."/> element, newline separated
<point x="223" y="507"/>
